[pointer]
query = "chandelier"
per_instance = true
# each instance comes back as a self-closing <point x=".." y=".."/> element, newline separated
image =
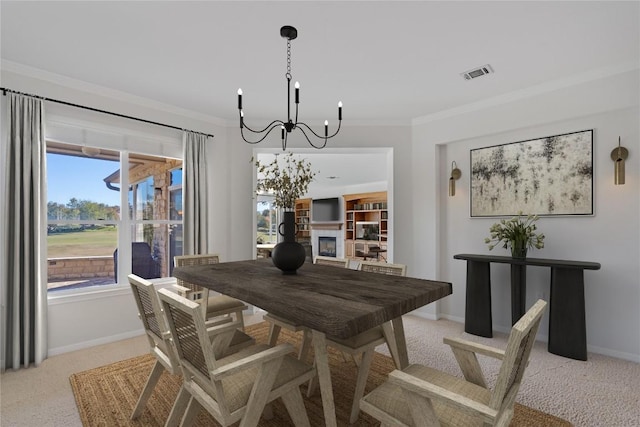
<point x="288" y="126"/>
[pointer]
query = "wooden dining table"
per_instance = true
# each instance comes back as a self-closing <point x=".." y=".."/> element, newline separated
<point x="331" y="301"/>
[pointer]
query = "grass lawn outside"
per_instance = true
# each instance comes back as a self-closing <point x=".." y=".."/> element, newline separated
<point x="101" y="242"/>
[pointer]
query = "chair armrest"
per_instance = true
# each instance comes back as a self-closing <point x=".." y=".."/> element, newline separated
<point x="475" y="347"/>
<point x="432" y="391"/>
<point x="254" y="359"/>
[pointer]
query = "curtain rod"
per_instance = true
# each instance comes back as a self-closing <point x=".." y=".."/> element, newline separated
<point x="5" y="90"/>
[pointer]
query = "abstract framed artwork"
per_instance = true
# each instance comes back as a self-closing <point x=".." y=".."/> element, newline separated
<point x="546" y="176"/>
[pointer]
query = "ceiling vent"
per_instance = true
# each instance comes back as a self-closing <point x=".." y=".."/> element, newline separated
<point x="477" y="72"/>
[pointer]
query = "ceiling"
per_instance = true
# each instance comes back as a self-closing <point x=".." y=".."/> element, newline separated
<point x="387" y="61"/>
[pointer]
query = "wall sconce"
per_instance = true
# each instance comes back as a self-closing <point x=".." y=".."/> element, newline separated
<point x="619" y="155"/>
<point x="455" y="175"/>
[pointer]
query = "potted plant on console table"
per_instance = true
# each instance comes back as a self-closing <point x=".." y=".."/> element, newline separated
<point x="517" y="233"/>
<point x="287" y="180"/>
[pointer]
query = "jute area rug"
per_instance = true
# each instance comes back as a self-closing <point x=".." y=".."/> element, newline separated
<point x="106" y="395"/>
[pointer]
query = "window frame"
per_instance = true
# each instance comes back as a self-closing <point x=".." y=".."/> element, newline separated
<point x="124" y="228"/>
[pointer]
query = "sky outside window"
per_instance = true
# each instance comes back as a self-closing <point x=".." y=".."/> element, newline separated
<point x="81" y="178"/>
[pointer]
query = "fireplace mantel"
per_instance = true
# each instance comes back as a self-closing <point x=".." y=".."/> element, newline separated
<point x="326" y="225"/>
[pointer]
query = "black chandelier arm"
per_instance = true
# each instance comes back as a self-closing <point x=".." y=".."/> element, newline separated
<point x="320" y="136"/>
<point x="264" y="136"/>
<point x="275" y="122"/>
<point x="319" y="147"/>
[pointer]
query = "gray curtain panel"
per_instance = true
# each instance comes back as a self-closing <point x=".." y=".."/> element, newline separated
<point x="194" y="194"/>
<point x="25" y="278"/>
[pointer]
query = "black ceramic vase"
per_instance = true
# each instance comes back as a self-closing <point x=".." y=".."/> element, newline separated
<point x="288" y="255"/>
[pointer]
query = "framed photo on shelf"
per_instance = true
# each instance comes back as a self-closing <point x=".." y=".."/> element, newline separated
<point x="552" y="175"/>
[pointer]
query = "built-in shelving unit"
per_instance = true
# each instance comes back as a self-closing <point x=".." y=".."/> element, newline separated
<point x="366" y="225"/>
<point x="303" y="219"/>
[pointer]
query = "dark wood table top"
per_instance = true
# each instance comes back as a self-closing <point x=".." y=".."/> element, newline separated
<point x="339" y="302"/>
<point x="541" y="262"/>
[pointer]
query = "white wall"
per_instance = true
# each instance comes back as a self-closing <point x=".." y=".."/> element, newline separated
<point x="610" y="237"/>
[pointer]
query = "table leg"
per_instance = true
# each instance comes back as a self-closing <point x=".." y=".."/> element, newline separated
<point x="567" y="325"/>
<point x="518" y="292"/>
<point x="477" y="312"/>
<point x="401" y="342"/>
<point x="324" y="378"/>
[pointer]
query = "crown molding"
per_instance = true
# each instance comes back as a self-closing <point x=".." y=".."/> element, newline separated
<point x="58" y="79"/>
<point x="530" y="92"/>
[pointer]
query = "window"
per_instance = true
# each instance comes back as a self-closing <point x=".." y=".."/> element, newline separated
<point x="267" y="221"/>
<point x="86" y="220"/>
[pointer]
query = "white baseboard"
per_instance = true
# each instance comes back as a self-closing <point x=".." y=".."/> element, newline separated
<point x="92" y="343"/>
<point x="614" y="353"/>
<point x="423" y="315"/>
<point x="452" y="318"/>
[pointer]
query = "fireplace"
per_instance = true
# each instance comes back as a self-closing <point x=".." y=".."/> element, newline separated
<point x="327" y="246"/>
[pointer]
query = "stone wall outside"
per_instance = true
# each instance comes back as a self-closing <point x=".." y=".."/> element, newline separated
<point x="80" y="267"/>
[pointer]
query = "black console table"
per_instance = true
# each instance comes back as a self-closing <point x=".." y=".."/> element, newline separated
<point x="567" y="328"/>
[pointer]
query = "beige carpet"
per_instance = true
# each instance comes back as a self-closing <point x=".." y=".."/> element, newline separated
<point x="106" y="395"/>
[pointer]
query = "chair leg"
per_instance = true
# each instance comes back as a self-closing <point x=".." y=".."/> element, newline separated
<point x="154" y="376"/>
<point x="295" y="406"/>
<point x="193" y="408"/>
<point x="179" y="408"/>
<point x="274" y="331"/>
<point x="363" y="374"/>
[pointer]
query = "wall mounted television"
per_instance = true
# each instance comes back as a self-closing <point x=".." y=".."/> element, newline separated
<point x="325" y="210"/>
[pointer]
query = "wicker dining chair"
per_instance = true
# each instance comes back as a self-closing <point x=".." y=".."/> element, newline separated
<point x="419" y="395"/>
<point x="214" y="305"/>
<point x="157" y="331"/>
<point x="333" y="261"/>
<point x="237" y="387"/>
<point x="383" y="268"/>
<point x="158" y="335"/>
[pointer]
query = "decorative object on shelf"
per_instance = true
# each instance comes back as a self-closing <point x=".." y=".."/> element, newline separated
<point x="455" y="175"/>
<point x="287" y="183"/>
<point x="289" y="33"/>
<point x="619" y="155"/>
<point x="545" y="176"/>
<point x="517" y="233"/>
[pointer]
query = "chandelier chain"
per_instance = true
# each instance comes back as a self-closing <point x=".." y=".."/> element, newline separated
<point x="288" y="60"/>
